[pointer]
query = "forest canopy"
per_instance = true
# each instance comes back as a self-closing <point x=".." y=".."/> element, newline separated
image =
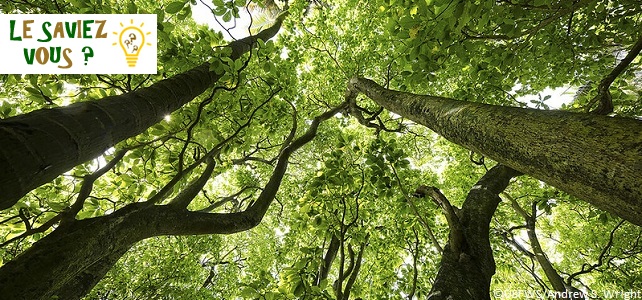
<point x="428" y="149"/>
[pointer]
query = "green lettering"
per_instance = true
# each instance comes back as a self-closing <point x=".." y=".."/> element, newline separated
<point x="46" y="31"/>
<point x="54" y="55"/>
<point x="72" y="30"/>
<point x="86" y="29"/>
<point x="29" y="57"/>
<point x="12" y="25"/>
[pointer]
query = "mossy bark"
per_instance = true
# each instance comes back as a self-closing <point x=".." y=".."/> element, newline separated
<point x="39" y="146"/>
<point x="595" y="158"/>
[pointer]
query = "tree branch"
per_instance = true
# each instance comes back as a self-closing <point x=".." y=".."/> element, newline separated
<point x="88" y="185"/>
<point x="185" y="197"/>
<point x="560" y="13"/>
<point x="603" y="97"/>
<point x="456" y="237"/>
<point x="355" y="270"/>
<point x="586" y="268"/>
<point x="423" y="222"/>
<point x="329" y="257"/>
<point x="173" y="221"/>
<point x="169" y="186"/>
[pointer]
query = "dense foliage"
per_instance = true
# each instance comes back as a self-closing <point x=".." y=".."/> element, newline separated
<point x="349" y="192"/>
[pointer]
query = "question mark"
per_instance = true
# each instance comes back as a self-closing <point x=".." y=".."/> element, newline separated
<point x="88" y="53"/>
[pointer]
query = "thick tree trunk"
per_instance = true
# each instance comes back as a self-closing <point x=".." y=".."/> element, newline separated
<point x="595" y="158"/>
<point x="39" y="146"/>
<point x="466" y="273"/>
<point x="71" y="260"/>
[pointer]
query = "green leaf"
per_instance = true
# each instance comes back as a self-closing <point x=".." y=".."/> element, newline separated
<point x="539" y="2"/>
<point x="168" y="27"/>
<point x="300" y="289"/>
<point x="33" y="91"/>
<point x="174" y="7"/>
<point x="57" y="206"/>
<point x="227" y="17"/>
<point x="267" y="67"/>
<point x="249" y="292"/>
<point x="217" y="66"/>
<point x="132" y="8"/>
<point x="407" y="22"/>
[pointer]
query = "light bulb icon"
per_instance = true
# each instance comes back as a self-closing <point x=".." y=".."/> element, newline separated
<point x="131" y="40"/>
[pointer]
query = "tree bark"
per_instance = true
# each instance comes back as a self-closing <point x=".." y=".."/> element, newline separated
<point x="324" y="269"/>
<point x="71" y="260"/>
<point x="39" y="146"/>
<point x="592" y="157"/>
<point x="466" y="273"/>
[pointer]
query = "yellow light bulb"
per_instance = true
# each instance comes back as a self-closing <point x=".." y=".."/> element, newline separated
<point x="131" y="40"/>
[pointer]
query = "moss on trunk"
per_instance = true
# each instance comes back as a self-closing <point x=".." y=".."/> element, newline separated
<point x="595" y="158"/>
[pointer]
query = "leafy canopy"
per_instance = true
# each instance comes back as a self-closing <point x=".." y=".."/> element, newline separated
<point x="352" y="182"/>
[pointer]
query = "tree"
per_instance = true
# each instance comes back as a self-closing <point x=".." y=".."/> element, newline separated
<point x="85" y="130"/>
<point x="83" y="251"/>
<point x="467" y="263"/>
<point x="592" y="157"/>
<point x="153" y="215"/>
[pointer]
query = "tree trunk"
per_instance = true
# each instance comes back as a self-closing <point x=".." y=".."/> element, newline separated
<point x="39" y="146"/>
<point x="466" y="273"/>
<point x="592" y="157"/>
<point x="71" y="260"/>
